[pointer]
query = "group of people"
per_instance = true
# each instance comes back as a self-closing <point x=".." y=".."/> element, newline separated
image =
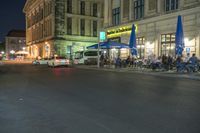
<point x="103" y="60"/>
<point x="189" y="63"/>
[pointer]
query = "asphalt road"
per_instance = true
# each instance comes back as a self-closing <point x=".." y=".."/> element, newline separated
<point x="37" y="99"/>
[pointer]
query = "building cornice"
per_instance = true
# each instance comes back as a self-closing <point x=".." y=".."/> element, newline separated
<point x="157" y="18"/>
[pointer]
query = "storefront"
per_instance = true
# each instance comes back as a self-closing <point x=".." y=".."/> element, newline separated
<point x="158" y="37"/>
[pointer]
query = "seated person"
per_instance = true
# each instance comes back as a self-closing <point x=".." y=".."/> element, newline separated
<point x="191" y="63"/>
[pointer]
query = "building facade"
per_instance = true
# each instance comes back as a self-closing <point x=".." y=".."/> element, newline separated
<point x="156" y="22"/>
<point x="15" y="41"/>
<point x="62" y="26"/>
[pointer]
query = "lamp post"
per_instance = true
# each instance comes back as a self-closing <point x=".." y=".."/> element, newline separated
<point x="98" y="60"/>
<point x="102" y="38"/>
<point x="12" y="52"/>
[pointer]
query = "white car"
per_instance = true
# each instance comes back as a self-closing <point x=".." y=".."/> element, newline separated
<point x="58" y="61"/>
<point x="41" y="61"/>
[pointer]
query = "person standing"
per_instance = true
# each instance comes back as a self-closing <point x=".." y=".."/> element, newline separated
<point x="102" y="60"/>
<point x="191" y="63"/>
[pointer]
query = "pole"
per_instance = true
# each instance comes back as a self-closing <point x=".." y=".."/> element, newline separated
<point x="98" y="61"/>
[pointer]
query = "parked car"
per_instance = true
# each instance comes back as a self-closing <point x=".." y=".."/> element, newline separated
<point x="43" y="61"/>
<point x="58" y="61"/>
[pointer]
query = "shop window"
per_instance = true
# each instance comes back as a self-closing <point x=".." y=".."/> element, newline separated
<point x="139" y="9"/>
<point x="168" y="44"/>
<point x="171" y="5"/>
<point x="116" y="16"/>
<point x="140" y="41"/>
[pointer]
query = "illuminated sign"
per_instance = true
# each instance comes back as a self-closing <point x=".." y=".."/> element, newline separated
<point x="187" y="50"/>
<point x="119" y="31"/>
<point x="102" y="37"/>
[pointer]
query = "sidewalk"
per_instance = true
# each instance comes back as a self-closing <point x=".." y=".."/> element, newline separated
<point x="17" y="61"/>
<point x="172" y="74"/>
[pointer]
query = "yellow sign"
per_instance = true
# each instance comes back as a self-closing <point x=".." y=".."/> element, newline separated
<point x="119" y="31"/>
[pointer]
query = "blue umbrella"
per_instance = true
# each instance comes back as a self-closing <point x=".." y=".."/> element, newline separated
<point x="179" y="37"/>
<point x="132" y="42"/>
<point x="95" y="46"/>
<point x="108" y="45"/>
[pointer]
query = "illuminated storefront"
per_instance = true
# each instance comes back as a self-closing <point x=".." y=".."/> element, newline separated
<point x="155" y="26"/>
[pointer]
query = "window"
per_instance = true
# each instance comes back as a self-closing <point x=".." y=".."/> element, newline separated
<point x="95" y="28"/>
<point x="140" y="46"/>
<point x="82" y="8"/>
<point x="69" y="6"/>
<point x="171" y="5"/>
<point x="168" y="44"/>
<point x="116" y="16"/>
<point x="82" y="27"/>
<point x="125" y="9"/>
<point x="152" y="4"/>
<point x="139" y="9"/>
<point x="91" y="53"/>
<point x="94" y="10"/>
<point x="69" y="26"/>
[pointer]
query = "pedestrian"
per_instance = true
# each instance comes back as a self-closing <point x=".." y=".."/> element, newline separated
<point x="118" y="62"/>
<point x="128" y="60"/>
<point x="191" y="63"/>
<point x="102" y="60"/>
<point x="187" y="57"/>
<point x="170" y="62"/>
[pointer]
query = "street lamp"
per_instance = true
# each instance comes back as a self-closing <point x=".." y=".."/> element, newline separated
<point x="12" y="52"/>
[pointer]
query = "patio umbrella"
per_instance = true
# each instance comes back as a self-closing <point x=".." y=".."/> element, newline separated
<point x="95" y="46"/>
<point x="109" y="45"/>
<point x="132" y="42"/>
<point x="179" y="37"/>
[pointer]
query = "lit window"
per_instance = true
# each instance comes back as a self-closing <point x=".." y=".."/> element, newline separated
<point x="140" y="46"/>
<point x="168" y="44"/>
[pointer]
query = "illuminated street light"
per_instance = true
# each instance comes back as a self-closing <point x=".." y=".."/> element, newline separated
<point x="12" y="51"/>
<point x="2" y="52"/>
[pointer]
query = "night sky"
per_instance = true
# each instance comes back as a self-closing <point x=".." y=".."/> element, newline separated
<point x="11" y="16"/>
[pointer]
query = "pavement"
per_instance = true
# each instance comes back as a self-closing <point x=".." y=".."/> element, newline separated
<point x="193" y="76"/>
<point x="38" y="99"/>
<point x="17" y="62"/>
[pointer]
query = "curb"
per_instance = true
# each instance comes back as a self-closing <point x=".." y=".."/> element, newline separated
<point x="185" y="76"/>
